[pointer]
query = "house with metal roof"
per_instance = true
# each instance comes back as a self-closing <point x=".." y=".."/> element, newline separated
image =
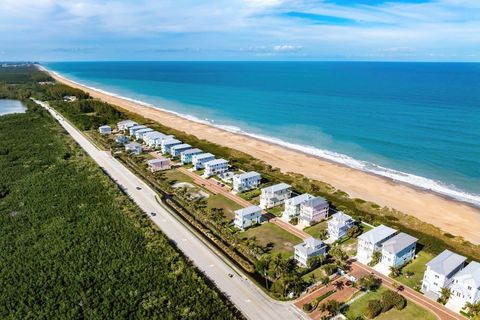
<point x="338" y="225"/>
<point x="313" y="210"/>
<point x="187" y="155"/>
<point x="151" y="138"/>
<point x="134" y="129"/>
<point x="372" y="241"/>
<point x="440" y="271"/>
<point x="274" y="195"/>
<point x="167" y="144"/>
<point x="126" y="124"/>
<point x="292" y="206"/>
<point x="247" y="217"/>
<point x="159" y="164"/>
<point x="465" y="287"/>
<point x="398" y="250"/>
<point x="199" y="160"/>
<point x="246" y="181"/>
<point x="308" y="249"/>
<point x="105" y="129"/>
<point x="176" y="150"/>
<point x="215" y="167"/>
<point x="133" y="147"/>
<point x="140" y="133"/>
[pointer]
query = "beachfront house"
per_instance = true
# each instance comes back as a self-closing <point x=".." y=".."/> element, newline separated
<point x="465" y="287"/>
<point x="176" y="150"/>
<point x="159" y="164"/>
<point x="152" y="138"/>
<point x="167" y="144"/>
<point x="274" y="195"/>
<point x="187" y="156"/>
<point x="246" y="181"/>
<point x="440" y="272"/>
<point x="199" y="160"/>
<point x="338" y="225"/>
<point x="133" y="147"/>
<point x="132" y="130"/>
<point x="292" y="206"/>
<point x="140" y="133"/>
<point x="105" y="129"/>
<point x="125" y="125"/>
<point x="121" y="139"/>
<point x="312" y="210"/>
<point x="397" y="251"/>
<point x="308" y="249"/>
<point x="215" y="167"/>
<point x="372" y="241"/>
<point x="69" y="98"/>
<point x="247" y="217"/>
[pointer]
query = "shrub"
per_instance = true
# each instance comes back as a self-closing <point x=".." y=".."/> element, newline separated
<point x="330" y="268"/>
<point x="392" y="299"/>
<point x="307" y="307"/>
<point x="374" y="309"/>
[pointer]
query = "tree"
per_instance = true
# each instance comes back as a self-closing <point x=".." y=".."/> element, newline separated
<point x="369" y="282"/>
<point x="395" y="271"/>
<point x="473" y="308"/>
<point x="325" y="280"/>
<point x="376" y="256"/>
<point x="339" y="255"/>
<point x="445" y="294"/>
<point x="392" y="299"/>
<point x="262" y="267"/>
<point x="354" y="231"/>
<point x="331" y="306"/>
<point x="374" y="308"/>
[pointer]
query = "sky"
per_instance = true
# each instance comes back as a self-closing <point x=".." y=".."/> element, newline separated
<point x="393" y="30"/>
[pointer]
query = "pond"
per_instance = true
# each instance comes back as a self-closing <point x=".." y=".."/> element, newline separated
<point x="11" y="106"/>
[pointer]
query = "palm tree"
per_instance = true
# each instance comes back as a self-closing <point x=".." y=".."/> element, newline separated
<point x="473" y="308"/>
<point x="445" y="294"/>
<point x="376" y="256"/>
<point x="325" y="280"/>
<point x="395" y="271"/>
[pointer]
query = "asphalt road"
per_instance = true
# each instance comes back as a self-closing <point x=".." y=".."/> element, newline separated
<point x="246" y="296"/>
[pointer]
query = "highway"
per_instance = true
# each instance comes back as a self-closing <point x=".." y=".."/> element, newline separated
<point x="245" y="295"/>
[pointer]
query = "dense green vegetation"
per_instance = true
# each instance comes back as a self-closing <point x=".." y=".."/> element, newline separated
<point x="73" y="246"/>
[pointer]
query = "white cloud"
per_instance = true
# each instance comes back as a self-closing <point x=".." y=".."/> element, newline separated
<point x="287" y="48"/>
<point x="399" y="50"/>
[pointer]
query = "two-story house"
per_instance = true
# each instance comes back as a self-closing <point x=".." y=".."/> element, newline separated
<point x="372" y="241"/>
<point x="247" y="217"/>
<point x="465" y="287"/>
<point x="338" y="225"/>
<point x="246" y="181"/>
<point x="274" y="195"/>
<point x="308" y="249"/>
<point x="312" y="210"/>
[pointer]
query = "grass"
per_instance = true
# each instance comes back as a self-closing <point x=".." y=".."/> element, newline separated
<point x="416" y="266"/>
<point x="174" y="176"/>
<point x="277" y="211"/>
<point x="220" y="201"/>
<point x="269" y="234"/>
<point x="317" y="229"/>
<point x="411" y="311"/>
<point x="317" y="274"/>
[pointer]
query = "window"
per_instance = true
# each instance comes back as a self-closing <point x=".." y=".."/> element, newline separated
<point x="469" y="288"/>
<point x="436" y="276"/>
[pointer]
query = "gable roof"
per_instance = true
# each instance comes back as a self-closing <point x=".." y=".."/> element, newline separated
<point x="192" y="151"/>
<point x="398" y="243"/>
<point x="470" y="273"/>
<point x="247" y="175"/>
<point x="341" y="217"/>
<point x="203" y="156"/>
<point x="446" y="262"/>
<point x="377" y="234"/>
<point x="294" y="201"/>
<point x="215" y="161"/>
<point x="310" y="245"/>
<point x="247" y="211"/>
<point x="181" y="146"/>
<point x="276" y="187"/>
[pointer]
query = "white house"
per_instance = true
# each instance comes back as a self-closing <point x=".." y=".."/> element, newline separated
<point x="312" y="210"/>
<point x="246" y="217"/>
<point x="292" y="206"/>
<point x="125" y="125"/>
<point x="167" y="144"/>
<point x="440" y="272"/>
<point x="133" y="147"/>
<point x="134" y="129"/>
<point x="105" y="129"/>
<point x="338" y="225"/>
<point x="199" y="160"/>
<point x="121" y="139"/>
<point x="151" y="138"/>
<point x="186" y="156"/>
<point x="372" y="241"/>
<point x="397" y="251"/>
<point x="140" y="133"/>
<point x="159" y="164"/>
<point x="465" y="287"/>
<point x="69" y="98"/>
<point x="308" y="249"/>
<point x="246" y="181"/>
<point x="176" y="150"/>
<point x="274" y="195"/>
<point x="215" y="167"/>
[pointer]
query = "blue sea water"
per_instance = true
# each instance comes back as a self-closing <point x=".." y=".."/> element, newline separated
<point x="417" y="123"/>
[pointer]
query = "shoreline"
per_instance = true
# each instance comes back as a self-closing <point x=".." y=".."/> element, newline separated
<point x="450" y="215"/>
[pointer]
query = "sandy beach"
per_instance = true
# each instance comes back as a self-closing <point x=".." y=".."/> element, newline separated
<point x="451" y="216"/>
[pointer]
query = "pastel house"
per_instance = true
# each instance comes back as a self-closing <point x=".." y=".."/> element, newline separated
<point x="139" y="133"/>
<point x="398" y="250"/>
<point x="199" y="160"/>
<point x="159" y="164"/>
<point x="151" y="138"/>
<point x="215" y="167"/>
<point x="134" y="129"/>
<point x="246" y="181"/>
<point x="312" y="210"/>
<point x="121" y="139"/>
<point x="133" y="147"/>
<point x="167" y="144"/>
<point x="274" y="195"/>
<point x="187" y="155"/>
<point x="105" y="129"/>
<point x="176" y="150"/>
<point x="247" y="217"/>
<point x="440" y="272"/>
<point x="465" y="287"/>
<point x="372" y="241"/>
<point x="338" y="225"/>
<point x="292" y="205"/>
<point x="125" y="125"/>
<point x="308" y="249"/>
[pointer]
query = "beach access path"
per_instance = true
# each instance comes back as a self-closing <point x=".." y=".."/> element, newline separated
<point x="450" y="216"/>
<point x="244" y="294"/>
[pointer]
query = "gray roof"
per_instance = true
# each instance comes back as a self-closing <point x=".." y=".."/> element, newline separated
<point x="215" y="161"/>
<point x="144" y="130"/>
<point x="157" y="160"/>
<point x="470" y="272"/>
<point x="377" y="234"/>
<point x="341" y="217"/>
<point x="133" y="145"/>
<point x="171" y="141"/>
<point x="192" y="151"/>
<point x="181" y="146"/>
<point x="124" y="122"/>
<point x="204" y="155"/>
<point x="247" y="211"/>
<point x="310" y="245"/>
<point x="446" y="262"/>
<point x="247" y="175"/>
<point x="294" y="201"/>
<point x="276" y="187"/>
<point x="313" y="202"/>
<point x="154" y="135"/>
<point x="398" y="243"/>
<point x="137" y="127"/>
<point x="104" y="127"/>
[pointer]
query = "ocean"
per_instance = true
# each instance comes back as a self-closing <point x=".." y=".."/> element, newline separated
<point x="418" y="123"/>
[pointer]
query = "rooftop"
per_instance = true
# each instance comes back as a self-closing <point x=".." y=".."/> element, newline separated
<point x="309" y="246"/>
<point x="204" y="155"/>
<point x="341" y="218"/>
<point x="143" y="130"/>
<point x="124" y="122"/>
<point x="137" y="127"/>
<point x="215" y="161"/>
<point x="181" y="146"/>
<point x="377" y="234"/>
<point x="398" y="243"/>
<point x="104" y="127"/>
<point x="276" y="187"/>
<point x="247" y="175"/>
<point x="470" y="272"/>
<point x="133" y="145"/>
<point x="446" y="262"/>
<point x="192" y="151"/>
<point x="299" y="199"/>
<point x="157" y="160"/>
<point x="247" y="211"/>
<point x="154" y="135"/>
<point x="170" y="141"/>
<point x="312" y="202"/>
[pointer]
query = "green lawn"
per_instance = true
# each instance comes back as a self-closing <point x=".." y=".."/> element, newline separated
<point x="315" y="230"/>
<point x="228" y="206"/>
<point x="317" y="274"/>
<point x="418" y="267"/>
<point x="410" y="312"/>
<point x="277" y="211"/>
<point x="174" y="176"/>
<point x="270" y="234"/>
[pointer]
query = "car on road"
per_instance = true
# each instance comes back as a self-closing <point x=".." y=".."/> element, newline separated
<point x="138" y="188"/>
<point x="153" y="214"/>
<point x="230" y="275"/>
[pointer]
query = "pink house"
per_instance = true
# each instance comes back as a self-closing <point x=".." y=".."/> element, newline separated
<point x="314" y="209"/>
<point x="159" y="164"/>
